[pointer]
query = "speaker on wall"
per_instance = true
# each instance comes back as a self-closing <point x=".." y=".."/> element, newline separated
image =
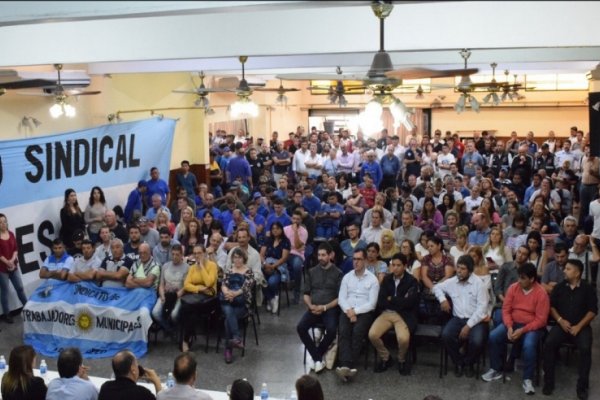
<point x="594" y="112"/>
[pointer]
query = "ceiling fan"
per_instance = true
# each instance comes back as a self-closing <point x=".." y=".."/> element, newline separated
<point x="244" y="106"/>
<point x="202" y="92"/>
<point x="281" y="91"/>
<point x="465" y="87"/>
<point x="511" y="91"/>
<point x="336" y="93"/>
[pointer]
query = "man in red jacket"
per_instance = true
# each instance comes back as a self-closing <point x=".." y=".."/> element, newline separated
<point x="524" y="315"/>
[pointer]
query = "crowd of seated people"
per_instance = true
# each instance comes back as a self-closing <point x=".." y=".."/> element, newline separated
<point x="445" y="213"/>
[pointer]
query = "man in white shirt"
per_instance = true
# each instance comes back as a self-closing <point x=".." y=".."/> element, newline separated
<point x="469" y="298"/>
<point x="357" y="299"/>
<point x="474" y="200"/>
<point x="564" y="155"/>
<point x="184" y="372"/>
<point x="74" y="383"/>
<point x="444" y="160"/>
<point x="313" y="162"/>
<point x="373" y="232"/>
<point x="84" y="268"/>
<point x="298" y="163"/>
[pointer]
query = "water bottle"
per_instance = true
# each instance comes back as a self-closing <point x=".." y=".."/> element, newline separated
<point x="2" y="365"/>
<point x="170" y="380"/>
<point x="264" y="392"/>
<point x="43" y="369"/>
<point x="293" y="395"/>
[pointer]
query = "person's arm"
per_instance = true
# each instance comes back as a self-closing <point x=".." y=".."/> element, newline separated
<point x="161" y="288"/>
<point x="499" y="284"/>
<point x="541" y="313"/>
<point x="595" y="251"/>
<point x="449" y="272"/>
<point x="343" y="295"/>
<point x="507" y="308"/>
<point x="438" y="220"/>
<point x="425" y="278"/>
<point x="45" y="273"/>
<point x="482" y="304"/>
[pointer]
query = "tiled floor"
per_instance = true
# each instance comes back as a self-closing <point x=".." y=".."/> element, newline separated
<point x="278" y="361"/>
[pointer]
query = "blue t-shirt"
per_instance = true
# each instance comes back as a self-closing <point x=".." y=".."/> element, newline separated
<point x="311" y="205"/>
<point x="156" y="187"/>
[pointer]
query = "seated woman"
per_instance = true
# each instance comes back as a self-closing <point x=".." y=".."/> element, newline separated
<point x="537" y="254"/>
<point x="494" y="251"/>
<point x="511" y="234"/>
<point x="274" y="254"/>
<point x="413" y="267"/>
<point x="236" y="300"/>
<point x="487" y="207"/>
<point x="464" y="217"/>
<point x="436" y="267"/>
<point x="162" y="219"/>
<point x="200" y="288"/>
<point x="446" y="204"/>
<point x="461" y="246"/>
<point x="421" y="247"/>
<point x="388" y="246"/>
<point x="373" y="263"/>
<point x="187" y="214"/>
<point x="430" y="218"/>
<point x="205" y="225"/>
<point x="18" y="383"/>
<point x="482" y="271"/>
<point x="191" y="237"/>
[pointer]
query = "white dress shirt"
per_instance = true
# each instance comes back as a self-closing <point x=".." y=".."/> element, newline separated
<point x="358" y="292"/>
<point x="469" y="298"/>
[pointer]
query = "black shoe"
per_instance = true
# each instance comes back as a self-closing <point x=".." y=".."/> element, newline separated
<point x="547" y="389"/>
<point x="470" y="371"/>
<point x="384" y="365"/>
<point x="458" y="371"/>
<point x="404" y="368"/>
<point x="582" y="394"/>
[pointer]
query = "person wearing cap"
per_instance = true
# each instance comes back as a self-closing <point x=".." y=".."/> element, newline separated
<point x="77" y="240"/>
<point x="225" y="157"/>
<point x="135" y="202"/>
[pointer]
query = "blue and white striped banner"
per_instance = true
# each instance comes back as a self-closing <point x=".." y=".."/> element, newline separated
<point x="99" y="321"/>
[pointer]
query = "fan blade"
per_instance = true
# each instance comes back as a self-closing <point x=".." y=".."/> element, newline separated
<point x="320" y="77"/>
<point x="202" y="91"/>
<point x="25" y="84"/>
<point x="39" y="94"/>
<point x="421" y="73"/>
<point x="257" y="84"/>
<point x="486" y="85"/>
<point x="79" y="93"/>
<point x="276" y="89"/>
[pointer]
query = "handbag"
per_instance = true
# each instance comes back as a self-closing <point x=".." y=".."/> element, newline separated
<point x="170" y="301"/>
<point x="195" y="298"/>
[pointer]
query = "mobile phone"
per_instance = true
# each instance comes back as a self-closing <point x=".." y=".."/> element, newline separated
<point x="490" y="260"/>
<point x="141" y="370"/>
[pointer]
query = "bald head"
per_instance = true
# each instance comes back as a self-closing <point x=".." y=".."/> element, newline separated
<point x="123" y="364"/>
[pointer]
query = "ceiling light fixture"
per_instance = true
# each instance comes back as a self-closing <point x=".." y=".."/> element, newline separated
<point x="244" y="108"/>
<point x="61" y="107"/>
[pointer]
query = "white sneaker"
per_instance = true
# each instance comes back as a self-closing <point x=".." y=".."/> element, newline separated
<point x="269" y="307"/>
<point x="275" y="304"/>
<point x="352" y="372"/>
<point x="319" y="366"/>
<point x="528" y="387"/>
<point x="491" y="375"/>
<point x="342" y="373"/>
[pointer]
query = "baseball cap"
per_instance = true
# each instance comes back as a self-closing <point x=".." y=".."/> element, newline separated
<point x="256" y="195"/>
<point x="142" y="183"/>
<point x="505" y="169"/>
<point x="143" y="220"/>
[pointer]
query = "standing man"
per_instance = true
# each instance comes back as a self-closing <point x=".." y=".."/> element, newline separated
<point x="321" y="297"/>
<point x="399" y="302"/>
<point x="471" y="159"/>
<point x="357" y="299"/>
<point x="135" y="206"/>
<point x="574" y="304"/>
<point x="239" y="167"/>
<point x="524" y="317"/>
<point x="155" y="185"/>
<point x="469" y="307"/>
<point x="390" y="167"/>
<point x="187" y="180"/>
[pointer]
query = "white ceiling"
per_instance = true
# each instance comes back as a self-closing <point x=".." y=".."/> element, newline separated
<point x="297" y="36"/>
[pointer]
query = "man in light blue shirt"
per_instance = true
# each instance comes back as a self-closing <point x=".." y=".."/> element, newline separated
<point x="470" y="299"/>
<point x="58" y="264"/>
<point x="480" y="235"/>
<point x="73" y="384"/>
<point x="357" y="299"/>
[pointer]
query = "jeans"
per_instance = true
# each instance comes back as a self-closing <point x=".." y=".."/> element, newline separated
<point x="232" y="316"/>
<point x="15" y="278"/>
<point x="452" y="343"/>
<point x="327" y="231"/>
<point x="272" y="288"/>
<point x="157" y="314"/>
<point x="351" y="337"/>
<point x="497" y="347"/>
<point x="330" y="319"/>
<point x="295" y="264"/>
<point x="583" y="341"/>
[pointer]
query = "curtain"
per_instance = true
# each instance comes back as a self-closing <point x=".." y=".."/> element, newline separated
<point x="231" y="127"/>
<point x="401" y="131"/>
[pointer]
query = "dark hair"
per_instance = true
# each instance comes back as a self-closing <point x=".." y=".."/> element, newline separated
<point x="467" y="261"/>
<point x="165" y="231"/>
<point x="87" y="241"/>
<point x="373" y="245"/>
<point x="177" y="247"/>
<point x="122" y="362"/>
<point x="20" y="372"/>
<point x="69" y="361"/>
<point x="577" y="263"/>
<point x="239" y="253"/>
<point x="519" y="217"/>
<point x="560" y="247"/>
<point x="535" y="235"/>
<point x="66" y="207"/>
<point x="102" y="198"/>
<point x="434" y="238"/>
<point x="57" y="242"/>
<point x="241" y="390"/>
<point x="528" y="270"/>
<point x="217" y="224"/>
<point x="424" y="212"/>
<point x="362" y="251"/>
<point x="185" y="162"/>
<point x="399" y="256"/>
<point x="184" y="367"/>
<point x="309" y="388"/>
<point x="133" y="226"/>
<point x="325" y="246"/>
<point x="277" y="224"/>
